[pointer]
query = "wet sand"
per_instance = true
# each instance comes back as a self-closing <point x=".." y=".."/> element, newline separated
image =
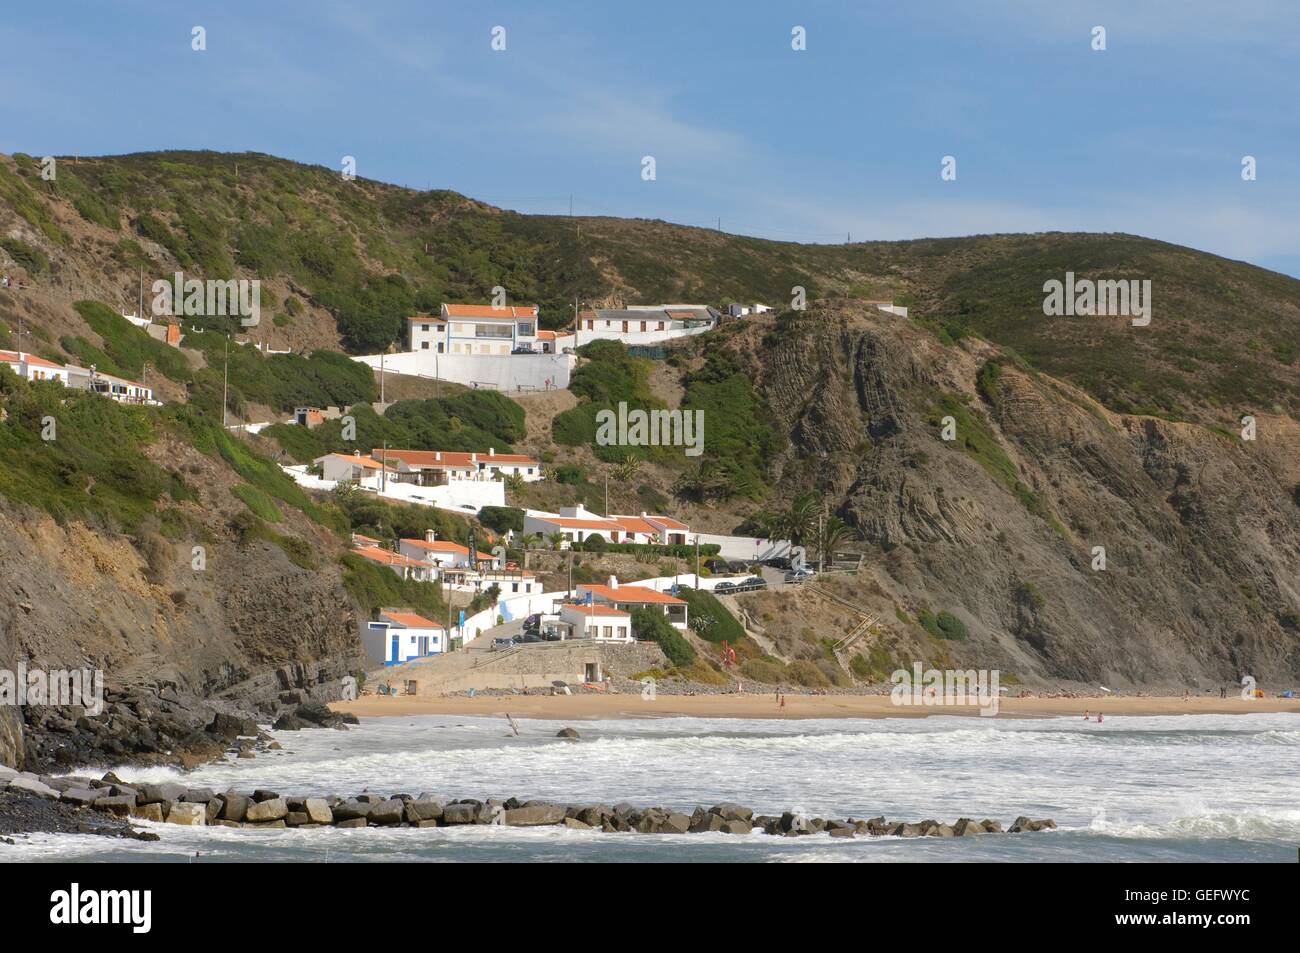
<point x="594" y="707"/>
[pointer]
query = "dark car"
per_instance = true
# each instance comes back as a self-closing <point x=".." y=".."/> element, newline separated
<point x="738" y="565"/>
<point x="532" y="637"/>
<point x="778" y="562"/>
<point x="523" y="349"/>
<point x="724" y="586"/>
<point x="717" y="565"/>
<point x="757" y="582"/>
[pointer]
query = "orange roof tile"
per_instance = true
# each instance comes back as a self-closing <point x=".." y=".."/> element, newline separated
<point x="386" y="558"/>
<point x="445" y="546"/>
<point x="595" y="609"/>
<point x="488" y="311"/>
<point x="410" y="620"/>
<point x="631" y="594"/>
<point x="452" y="459"/>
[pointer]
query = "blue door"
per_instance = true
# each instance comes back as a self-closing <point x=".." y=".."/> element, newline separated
<point x="394" y="656"/>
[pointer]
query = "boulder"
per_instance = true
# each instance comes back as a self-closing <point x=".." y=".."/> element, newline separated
<point x="574" y="824"/>
<point x="907" y="830"/>
<point x="79" y="796"/>
<point x="423" y="810"/>
<point x="262" y="811"/>
<point x="261" y="794"/>
<point x="843" y="832"/>
<point x="352" y="811"/>
<point x="535" y="815"/>
<point x="187" y="813"/>
<point x="352" y="822"/>
<point x="318" y="812"/>
<point x="706" y="823"/>
<point x="148" y="812"/>
<point x="674" y="823"/>
<point x="31" y="786"/>
<point x="736" y="826"/>
<point x="965" y="827"/>
<point x="234" y="806"/>
<point x="460" y="813"/>
<point x="198" y="795"/>
<point x="120" y="805"/>
<point x="160" y="793"/>
<point x="296" y="819"/>
<point x="387" y="812"/>
<point x="730" y="811"/>
<point x="939" y="830"/>
<point x="991" y="827"/>
<point x="567" y="733"/>
<point x="7" y="774"/>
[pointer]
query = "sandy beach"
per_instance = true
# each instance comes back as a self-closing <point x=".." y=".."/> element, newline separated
<point x="594" y="707"/>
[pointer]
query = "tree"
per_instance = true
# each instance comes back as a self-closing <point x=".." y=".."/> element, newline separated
<point x="555" y="539"/>
<point x="651" y="624"/>
<point x="526" y="540"/>
<point x="833" y="532"/>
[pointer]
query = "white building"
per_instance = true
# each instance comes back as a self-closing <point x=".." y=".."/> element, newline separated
<point x="442" y="554"/>
<point x="509" y="582"/>
<point x="577" y="524"/>
<point x="32" y="368"/>
<point x="475" y="329"/>
<point x="889" y="307"/>
<point x="630" y="598"/>
<point x="645" y="324"/>
<point x="404" y="566"/>
<point x="440" y="467"/>
<point x="399" y="635"/>
<point x="352" y="468"/>
<point x="591" y="621"/>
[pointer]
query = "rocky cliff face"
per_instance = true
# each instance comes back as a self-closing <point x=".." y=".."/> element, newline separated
<point x="1006" y="525"/>
<point x="249" y="626"/>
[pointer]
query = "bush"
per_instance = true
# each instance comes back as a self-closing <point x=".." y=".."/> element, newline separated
<point x="806" y="673"/>
<point x="709" y="618"/>
<point x="575" y="475"/>
<point x="257" y="502"/>
<point x="502" y="519"/>
<point x="769" y="671"/>
<point x="651" y="624"/>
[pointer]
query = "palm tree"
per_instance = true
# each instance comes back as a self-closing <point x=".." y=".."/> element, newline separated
<point x="628" y="468"/>
<point x="834" y="532"/>
<point x="514" y="482"/>
<point x="526" y="540"/>
<point x="555" y="539"/>
<point x="801" y="518"/>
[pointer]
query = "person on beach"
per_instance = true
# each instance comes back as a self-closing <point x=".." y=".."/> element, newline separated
<point x="1085" y="715"/>
<point x="1099" y="718"/>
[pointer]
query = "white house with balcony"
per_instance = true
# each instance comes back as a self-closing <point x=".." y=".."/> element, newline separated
<point x="577" y="524"/>
<point x="475" y="329"/>
<point x="630" y="598"/>
<point x="352" y="467"/>
<point x="600" y="623"/>
<point x="440" y="467"/>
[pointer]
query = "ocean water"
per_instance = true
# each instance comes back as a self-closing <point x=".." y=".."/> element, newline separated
<point x="1184" y="788"/>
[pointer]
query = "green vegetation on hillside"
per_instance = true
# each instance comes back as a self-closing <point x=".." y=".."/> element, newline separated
<point x="649" y="624"/>
<point x="473" y="421"/>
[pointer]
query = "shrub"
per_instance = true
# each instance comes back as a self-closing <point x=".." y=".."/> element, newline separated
<point x="502" y="519"/>
<point x="652" y="625"/>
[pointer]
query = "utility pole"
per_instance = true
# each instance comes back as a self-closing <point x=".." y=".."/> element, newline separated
<point x="381" y="378"/>
<point x="607" y="494"/>
<point x="697" y="560"/>
<point x="570" y="573"/>
<point x="225" y="384"/>
<point x="140" y="308"/>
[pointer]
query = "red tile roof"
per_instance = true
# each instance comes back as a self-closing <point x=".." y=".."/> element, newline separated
<point x="449" y="459"/>
<point x="444" y="546"/>
<point x="488" y="311"/>
<point x="631" y="594"/>
<point x="410" y="620"/>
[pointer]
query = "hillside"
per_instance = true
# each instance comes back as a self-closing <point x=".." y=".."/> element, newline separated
<point x="342" y="262"/>
<point x="1072" y="432"/>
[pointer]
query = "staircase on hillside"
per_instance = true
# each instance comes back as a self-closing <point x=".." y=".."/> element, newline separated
<point x="866" y="623"/>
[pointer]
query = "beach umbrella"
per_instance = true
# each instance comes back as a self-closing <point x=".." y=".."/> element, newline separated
<point x="559" y="684"/>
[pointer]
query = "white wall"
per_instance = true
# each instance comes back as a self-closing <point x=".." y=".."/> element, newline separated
<point x="634" y="337"/>
<point x="746" y="547"/>
<point x="504" y="372"/>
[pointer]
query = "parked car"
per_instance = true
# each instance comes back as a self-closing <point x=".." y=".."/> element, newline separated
<point x="778" y="562"/>
<point x="799" y="575"/>
<point x="757" y="582"/>
<point x="551" y="636"/>
<point x="531" y="637"/>
<point x="717" y="565"/>
<point x="499" y="645"/>
<point x="723" y="586"/>
<point x="738" y="565"/>
<point x="523" y="349"/>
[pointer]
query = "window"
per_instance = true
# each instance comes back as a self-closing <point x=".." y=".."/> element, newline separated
<point x="525" y="330"/>
<point x="608" y="631"/>
<point x="424" y="327"/>
<point x="424" y="345"/>
<point x="591" y="325"/>
<point x="642" y="325"/>
<point x="661" y="325"/>
<point x="492" y="331"/>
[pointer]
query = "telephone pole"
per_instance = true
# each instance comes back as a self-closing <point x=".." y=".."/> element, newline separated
<point x="225" y="384"/>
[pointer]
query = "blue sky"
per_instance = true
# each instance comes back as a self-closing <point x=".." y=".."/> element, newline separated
<point x="844" y="137"/>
